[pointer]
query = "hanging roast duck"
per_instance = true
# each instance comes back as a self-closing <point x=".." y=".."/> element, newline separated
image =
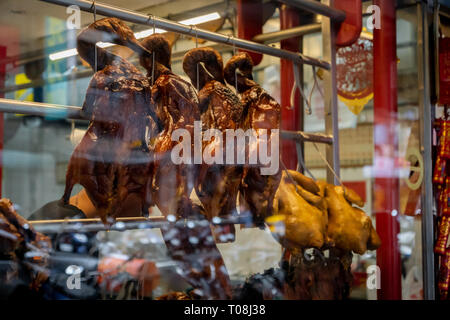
<point x="112" y="161"/>
<point x="217" y="184"/>
<point x="262" y="114"/>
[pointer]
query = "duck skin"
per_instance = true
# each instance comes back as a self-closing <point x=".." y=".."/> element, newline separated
<point x="192" y="247"/>
<point x="262" y="113"/>
<point x="176" y="107"/>
<point x="217" y="184"/>
<point x="112" y="161"/>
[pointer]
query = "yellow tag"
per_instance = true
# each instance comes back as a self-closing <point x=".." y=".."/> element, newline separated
<point x="356" y="105"/>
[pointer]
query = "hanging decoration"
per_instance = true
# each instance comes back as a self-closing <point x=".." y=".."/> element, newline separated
<point x="355" y="74"/>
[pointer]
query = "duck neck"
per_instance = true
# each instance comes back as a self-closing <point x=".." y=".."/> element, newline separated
<point x="160" y="70"/>
<point x="98" y="58"/>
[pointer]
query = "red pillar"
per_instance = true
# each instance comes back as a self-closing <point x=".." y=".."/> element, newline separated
<point x="250" y="23"/>
<point x="290" y="118"/>
<point x="386" y="186"/>
<point x="2" y="85"/>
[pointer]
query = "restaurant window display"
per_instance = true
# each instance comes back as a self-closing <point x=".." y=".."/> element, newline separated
<point x="165" y="154"/>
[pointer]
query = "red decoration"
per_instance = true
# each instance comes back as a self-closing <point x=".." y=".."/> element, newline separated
<point x="355" y="74"/>
<point x="350" y="29"/>
<point x="444" y="71"/>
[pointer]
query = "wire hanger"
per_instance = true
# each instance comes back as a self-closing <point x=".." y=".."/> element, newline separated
<point x="196" y="46"/>
<point x="301" y="162"/>
<point x="94" y="8"/>
<point x="315" y="84"/>
<point x="290" y="176"/>
<point x="235" y="70"/>
<point x="297" y="85"/>
<point x="330" y="167"/>
<point x="153" y="53"/>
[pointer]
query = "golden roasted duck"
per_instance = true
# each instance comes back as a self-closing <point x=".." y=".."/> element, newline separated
<point x="348" y="226"/>
<point x="298" y="220"/>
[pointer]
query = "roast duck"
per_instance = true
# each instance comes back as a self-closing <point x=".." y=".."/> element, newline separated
<point x="261" y="114"/>
<point x="25" y="249"/>
<point x="319" y="215"/>
<point x="124" y="160"/>
<point x="194" y="249"/>
<point x="112" y="161"/>
<point x="176" y="105"/>
<point x="216" y="184"/>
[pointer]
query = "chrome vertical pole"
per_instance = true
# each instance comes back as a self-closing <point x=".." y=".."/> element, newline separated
<point x="426" y="143"/>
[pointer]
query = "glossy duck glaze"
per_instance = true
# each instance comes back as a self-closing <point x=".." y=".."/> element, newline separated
<point x="112" y="161"/>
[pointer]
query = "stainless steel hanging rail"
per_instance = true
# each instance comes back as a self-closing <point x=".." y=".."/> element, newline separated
<point x="121" y="224"/>
<point x="317" y="7"/>
<point x="40" y="109"/>
<point x="276" y="36"/>
<point x="150" y="20"/>
<point x="301" y="136"/>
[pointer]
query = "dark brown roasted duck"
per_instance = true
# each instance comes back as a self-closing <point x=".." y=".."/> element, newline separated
<point x="176" y="106"/>
<point x="217" y="184"/>
<point x="262" y="114"/>
<point x="192" y="247"/>
<point x="112" y="161"/>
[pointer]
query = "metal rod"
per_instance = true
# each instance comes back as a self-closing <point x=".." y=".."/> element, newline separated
<point x="276" y="36"/>
<point x="86" y="220"/>
<point x="176" y="56"/>
<point x="140" y="18"/>
<point x="86" y="225"/>
<point x="40" y="109"/>
<point x="72" y="112"/>
<point x="317" y="7"/>
<point x="301" y="136"/>
<point x="426" y="143"/>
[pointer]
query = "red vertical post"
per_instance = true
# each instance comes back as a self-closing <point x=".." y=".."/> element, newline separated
<point x="290" y="118"/>
<point x="2" y="85"/>
<point x="250" y="23"/>
<point x="386" y="185"/>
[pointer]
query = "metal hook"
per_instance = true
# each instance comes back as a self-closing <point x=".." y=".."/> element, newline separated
<point x="196" y="46"/>
<point x="316" y="82"/>
<point x="301" y="162"/>
<point x="94" y="8"/>
<point x="196" y="34"/>
<point x="235" y="70"/>
<point x="152" y="17"/>
<point x="154" y="24"/>
<point x="297" y="85"/>
<point x="153" y="67"/>
<point x="92" y="5"/>
<point x="329" y="166"/>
